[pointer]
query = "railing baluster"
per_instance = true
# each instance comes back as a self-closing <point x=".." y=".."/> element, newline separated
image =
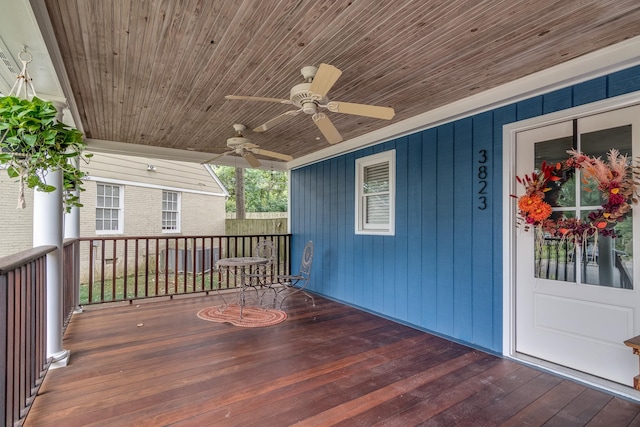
<point x="157" y="266"/>
<point x="114" y="275"/>
<point x="102" y="268"/>
<point x="125" y="268"/>
<point x="136" y="268"/>
<point x="91" y="270"/>
<point x="146" y="269"/>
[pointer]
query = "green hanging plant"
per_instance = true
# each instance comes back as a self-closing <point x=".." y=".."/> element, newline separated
<point x="33" y="142"/>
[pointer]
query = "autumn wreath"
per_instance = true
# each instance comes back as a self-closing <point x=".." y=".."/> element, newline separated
<point x="615" y="177"/>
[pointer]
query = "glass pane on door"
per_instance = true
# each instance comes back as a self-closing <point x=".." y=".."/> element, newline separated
<point x="554" y="257"/>
<point x="606" y="261"/>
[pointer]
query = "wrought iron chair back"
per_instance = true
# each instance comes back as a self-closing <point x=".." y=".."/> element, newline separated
<point x="265" y="249"/>
<point x="293" y="283"/>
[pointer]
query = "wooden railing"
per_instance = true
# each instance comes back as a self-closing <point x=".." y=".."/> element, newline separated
<point x="23" y="353"/>
<point x="129" y="268"/>
<point x="626" y="282"/>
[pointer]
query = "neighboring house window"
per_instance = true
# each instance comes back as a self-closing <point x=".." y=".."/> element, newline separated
<point x="109" y="209"/>
<point x="375" y="194"/>
<point x="170" y="211"/>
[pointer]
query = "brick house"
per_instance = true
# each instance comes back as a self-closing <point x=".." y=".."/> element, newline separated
<point x="128" y="196"/>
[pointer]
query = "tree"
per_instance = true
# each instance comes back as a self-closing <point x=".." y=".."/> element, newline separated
<point x="239" y="187"/>
<point x="264" y="191"/>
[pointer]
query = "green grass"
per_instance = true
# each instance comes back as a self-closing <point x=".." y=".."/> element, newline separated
<point x="121" y="291"/>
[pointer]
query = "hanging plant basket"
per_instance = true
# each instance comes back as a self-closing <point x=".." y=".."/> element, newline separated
<point x="33" y="143"/>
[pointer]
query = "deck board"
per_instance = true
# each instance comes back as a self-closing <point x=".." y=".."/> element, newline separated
<point x="157" y="364"/>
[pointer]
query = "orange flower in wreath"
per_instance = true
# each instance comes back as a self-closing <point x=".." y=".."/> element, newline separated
<point x="529" y="203"/>
<point x="540" y="212"/>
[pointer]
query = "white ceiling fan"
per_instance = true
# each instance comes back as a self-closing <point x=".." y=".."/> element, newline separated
<point x="310" y="96"/>
<point x="245" y="148"/>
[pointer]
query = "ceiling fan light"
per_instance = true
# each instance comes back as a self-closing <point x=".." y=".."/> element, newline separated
<point x="309" y="108"/>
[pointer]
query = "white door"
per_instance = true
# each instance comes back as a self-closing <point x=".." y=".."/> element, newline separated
<point x="575" y="306"/>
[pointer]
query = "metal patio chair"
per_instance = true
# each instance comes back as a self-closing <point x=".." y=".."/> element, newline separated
<point x="294" y="283"/>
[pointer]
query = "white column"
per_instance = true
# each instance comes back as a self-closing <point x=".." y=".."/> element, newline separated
<point x="48" y="224"/>
<point x="72" y="231"/>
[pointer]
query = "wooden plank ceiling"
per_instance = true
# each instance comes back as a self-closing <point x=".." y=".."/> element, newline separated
<point x="156" y="72"/>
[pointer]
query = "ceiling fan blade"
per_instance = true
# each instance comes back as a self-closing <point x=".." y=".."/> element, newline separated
<point x="258" y="98"/>
<point x="216" y="157"/>
<point x="325" y="78"/>
<point x="327" y="128"/>
<point x="276" y="120"/>
<point x="260" y="151"/>
<point x="365" y="110"/>
<point x="251" y="159"/>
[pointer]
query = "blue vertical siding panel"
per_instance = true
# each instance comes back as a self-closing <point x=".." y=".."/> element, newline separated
<point x="316" y="225"/>
<point x="414" y="229"/>
<point x="624" y="81"/>
<point x="331" y="248"/>
<point x="429" y="221"/>
<point x="557" y="100"/>
<point x="384" y="250"/>
<point x="529" y="108"/>
<point x="314" y="200"/>
<point x="376" y="282"/>
<point x="483" y="229"/>
<point x="461" y="189"/>
<point x="324" y="239"/>
<point x="398" y="271"/>
<point x="368" y="287"/>
<point x="319" y="223"/>
<point x="445" y="205"/>
<point x="590" y="91"/>
<point x="501" y="117"/>
<point x="331" y="230"/>
<point x="341" y="250"/>
<point x="353" y="252"/>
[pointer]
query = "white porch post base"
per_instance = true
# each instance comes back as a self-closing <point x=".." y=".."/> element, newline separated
<point x="60" y="359"/>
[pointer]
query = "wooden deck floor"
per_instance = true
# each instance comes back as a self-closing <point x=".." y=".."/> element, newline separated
<point x="328" y="365"/>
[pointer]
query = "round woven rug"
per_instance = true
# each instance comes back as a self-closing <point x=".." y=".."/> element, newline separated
<point x="252" y="317"/>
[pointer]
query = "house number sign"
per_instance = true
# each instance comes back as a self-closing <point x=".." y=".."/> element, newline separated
<point x="482" y="179"/>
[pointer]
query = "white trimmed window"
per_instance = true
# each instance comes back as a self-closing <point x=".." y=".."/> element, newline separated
<point x="109" y="209"/>
<point x="170" y="211"/>
<point x="375" y="194"/>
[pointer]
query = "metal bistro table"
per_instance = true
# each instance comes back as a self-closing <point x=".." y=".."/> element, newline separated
<point x="241" y="267"/>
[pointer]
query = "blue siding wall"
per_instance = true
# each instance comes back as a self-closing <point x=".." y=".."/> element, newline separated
<point x="442" y="271"/>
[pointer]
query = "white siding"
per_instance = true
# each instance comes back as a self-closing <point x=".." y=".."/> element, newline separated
<point x="168" y="174"/>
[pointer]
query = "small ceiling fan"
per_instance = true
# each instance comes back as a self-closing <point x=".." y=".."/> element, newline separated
<point x="310" y="96"/>
<point x="243" y="147"/>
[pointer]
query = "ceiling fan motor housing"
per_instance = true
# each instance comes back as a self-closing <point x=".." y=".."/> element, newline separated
<point x="301" y="97"/>
<point x="237" y="141"/>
